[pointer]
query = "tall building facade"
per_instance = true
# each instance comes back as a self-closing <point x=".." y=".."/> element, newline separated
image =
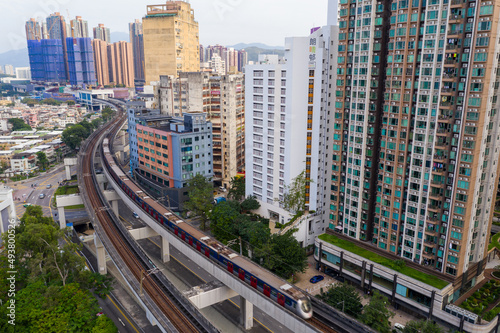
<point x="81" y="62"/>
<point x="137" y="40"/>
<point x="171" y="40"/>
<point x="33" y="30"/>
<point x="79" y="28"/>
<point x="222" y="98"/>
<point x="121" y="64"/>
<point x="101" y="63"/>
<point x="57" y="29"/>
<point x="102" y="33"/>
<point x="416" y="129"/>
<point x="287" y="119"/>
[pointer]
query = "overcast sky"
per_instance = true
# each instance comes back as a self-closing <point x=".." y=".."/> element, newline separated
<point x="226" y="22"/>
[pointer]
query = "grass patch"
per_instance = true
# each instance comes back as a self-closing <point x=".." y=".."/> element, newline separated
<point x="75" y="207"/>
<point x="413" y="273"/>
<point x="494" y="242"/>
<point x="65" y="190"/>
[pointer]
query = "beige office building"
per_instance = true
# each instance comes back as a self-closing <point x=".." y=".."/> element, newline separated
<point x="171" y="40"/>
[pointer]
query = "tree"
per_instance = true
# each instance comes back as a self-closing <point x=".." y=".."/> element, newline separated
<point x="345" y="298"/>
<point x="104" y="325"/>
<point x="376" y="314"/>
<point x="250" y="203"/>
<point x="96" y="123"/>
<point x="43" y="162"/>
<point x="422" y="326"/>
<point x="74" y="135"/>
<point x="19" y="125"/>
<point x="290" y="257"/>
<point x="294" y="199"/>
<point x="237" y="188"/>
<point x="71" y="103"/>
<point x="107" y="113"/>
<point x="222" y="220"/>
<point x="200" y="198"/>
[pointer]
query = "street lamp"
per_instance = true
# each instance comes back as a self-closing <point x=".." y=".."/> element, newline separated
<point x="149" y="272"/>
<point x="343" y="302"/>
<point x="235" y="241"/>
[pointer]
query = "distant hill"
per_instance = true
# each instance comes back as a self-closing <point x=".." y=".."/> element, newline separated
<point x="253" y="52"/>
<point x="16" y="58"/>
<point x="257" y="45"/>
<point x="119" y="36"/>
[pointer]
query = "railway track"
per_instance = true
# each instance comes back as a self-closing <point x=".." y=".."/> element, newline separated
<point x="150" y="283"/>
<point x="321" y="326"/>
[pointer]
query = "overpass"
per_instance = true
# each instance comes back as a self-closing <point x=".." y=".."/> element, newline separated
<point x="230" y="284"/>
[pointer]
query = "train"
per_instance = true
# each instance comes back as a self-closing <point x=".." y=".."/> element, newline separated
<point x="257" y="277"/>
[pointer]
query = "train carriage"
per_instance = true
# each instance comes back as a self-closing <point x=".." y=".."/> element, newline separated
<point x="262" y="280"/>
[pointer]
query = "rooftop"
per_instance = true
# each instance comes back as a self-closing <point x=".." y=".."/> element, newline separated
<point x="408" y="271"/>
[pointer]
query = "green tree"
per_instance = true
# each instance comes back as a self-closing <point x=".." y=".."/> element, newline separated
<point x="294" y="198"/>
<point x="200" y="198"/>
<point x="376" y="314"/>
<point x="19" y="125"/>
<point x="345" y="298"/>
<point x="96" y="122"/>
<point x="237" y="188"/>
<point x="290" y="257"/>
<point x="102" y="284"/>
<point x="107" y="113"/>
<point x="71" y="103"/>
<point x="104" y="325"/>
<point x="222" y="221"/>
<point x="43" y="162"/>
<point x="74" y="135"/>
<point x="422" y="326"/>
<point x="250" y="203"/>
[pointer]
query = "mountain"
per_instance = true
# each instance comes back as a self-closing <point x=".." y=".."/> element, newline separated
<point x="16" y="58"/>
<point x="253" y="52"/>
<point x="119" y="36"/>
<point x="257" y="45"/>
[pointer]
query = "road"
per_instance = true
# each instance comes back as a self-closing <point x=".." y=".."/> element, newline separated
<point x="186" y="274"/>
<point x="24" y="192"/>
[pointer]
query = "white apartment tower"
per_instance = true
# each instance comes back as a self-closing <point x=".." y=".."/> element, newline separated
<point x="287" y="117"/>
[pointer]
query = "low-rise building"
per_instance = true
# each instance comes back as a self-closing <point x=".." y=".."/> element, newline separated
<point x="167" y="151"/>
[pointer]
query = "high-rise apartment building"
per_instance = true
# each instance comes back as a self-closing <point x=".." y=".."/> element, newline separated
<point x="79" y="28"/>
<point x="80" y="62"/>
<point x="217" y="65"/>
<point x="416" y="130"/>
<point x="57" y="29"/>
<point x="287" y="119"/>
<point x="234" y="60"/>
<point x="121" y="64"/>
<point x="33" y="30"/>
<point x="222" y="99"/>
<point x="101" y="62"/>
<point x="9" y="70"/>
<point x="137" y="40"/>
<point x="102" y="33"/>
<point x="171" y="40"/>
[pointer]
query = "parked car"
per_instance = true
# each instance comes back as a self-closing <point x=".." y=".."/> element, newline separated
<point x="98" y="314"/>
<point x="49" y="186"/>
<point x="399" y="327"/>
<point x="135" y="215"/>
<point x="316" y="278"/>
<point x="41" y="196"/>
<point x="222" y="189"/>
<point x="27" y="205"/>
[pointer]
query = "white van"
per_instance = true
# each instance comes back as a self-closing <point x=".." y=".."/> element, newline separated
<point x="399" y="327"/>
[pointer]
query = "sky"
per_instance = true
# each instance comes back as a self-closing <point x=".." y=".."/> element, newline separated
<point x="226" y="22"/>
